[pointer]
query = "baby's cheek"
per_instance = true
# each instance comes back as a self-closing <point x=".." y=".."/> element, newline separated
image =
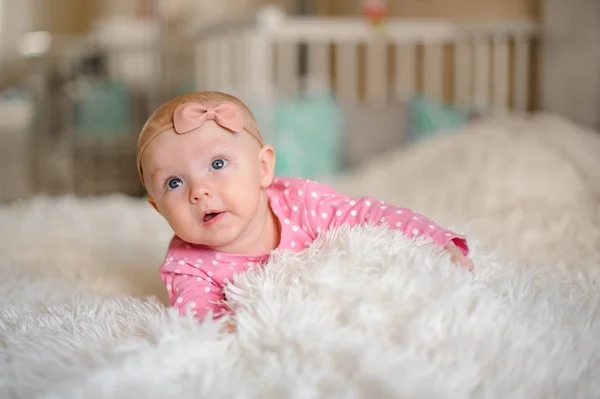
<point x="181" y="221"/>
<point x="230" y="178"/>
<point x="171" y="208"/>
<point x="241" y="179"/>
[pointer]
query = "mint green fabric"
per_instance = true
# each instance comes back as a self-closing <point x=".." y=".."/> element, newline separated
<point x="184" y="88"/>
<point x="429" y="118"/>
<point x="306" y="132"/>
<point x="105" y="111"/>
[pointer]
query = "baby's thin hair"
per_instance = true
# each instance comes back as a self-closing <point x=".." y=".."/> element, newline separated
<point x="163" y="115"/>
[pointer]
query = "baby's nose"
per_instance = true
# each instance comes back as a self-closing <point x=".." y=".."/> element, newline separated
<point x="199" y="192"/>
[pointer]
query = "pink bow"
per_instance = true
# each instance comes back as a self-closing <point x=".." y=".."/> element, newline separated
<point x="190" y="116"/>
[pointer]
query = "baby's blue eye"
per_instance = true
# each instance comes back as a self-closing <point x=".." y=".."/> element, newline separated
<point x="174" y="183"/>
<point x="218" y="163"/>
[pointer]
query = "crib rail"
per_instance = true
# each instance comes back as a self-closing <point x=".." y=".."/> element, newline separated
<point x="477" y="64"/>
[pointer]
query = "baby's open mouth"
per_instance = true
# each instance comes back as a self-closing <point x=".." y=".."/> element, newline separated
<point x="210" y="216"/>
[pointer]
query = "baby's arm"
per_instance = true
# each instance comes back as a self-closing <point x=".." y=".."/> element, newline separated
<point x="191" y="289"/>
<point x="328" y="209"/>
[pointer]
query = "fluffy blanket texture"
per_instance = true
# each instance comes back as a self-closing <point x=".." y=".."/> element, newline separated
<point x="363" y="313"/>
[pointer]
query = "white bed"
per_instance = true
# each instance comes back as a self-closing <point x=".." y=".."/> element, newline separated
<point x="361" y="315"/>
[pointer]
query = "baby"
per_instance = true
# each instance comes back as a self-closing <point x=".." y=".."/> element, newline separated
<point x="207" y="171"/>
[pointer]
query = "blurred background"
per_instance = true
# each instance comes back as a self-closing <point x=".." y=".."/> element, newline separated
<point x="333" y="83"/>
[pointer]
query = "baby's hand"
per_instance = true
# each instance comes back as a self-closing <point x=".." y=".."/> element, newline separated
<point x="457" y="256"/>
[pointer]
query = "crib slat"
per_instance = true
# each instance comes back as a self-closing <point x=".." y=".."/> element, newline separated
<point x="521" y="81"/>
<point x="318" y="62"/>
<point x="205" y="66"/>
<point x="346" y="72"/>
<point x="463" y="83"/>
<point x="259" y="49"/>
<point x="249" y="71"/>
<point x="164" y="77"/>
<point x="114" y="65"/>
<point x="225" y="64"/>
<point x="482" y="73"/>
<point x="287" y="67"/>
<point x="500" y="74"/>
<point x="376" y="72"/>
<point x="406" y="58"/>
<point x="212" y="67"/>
<point x="214" y="51"/>
<point x="198" y="69"/>
<point x="239" y="62"/>
<point x="433" y="71"/>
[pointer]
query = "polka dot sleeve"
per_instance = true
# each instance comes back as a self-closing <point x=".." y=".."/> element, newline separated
<point x="327" y="209"/>
<point x="190" y="289"/>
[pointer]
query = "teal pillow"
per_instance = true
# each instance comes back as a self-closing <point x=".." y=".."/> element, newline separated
<point x="429" y="118"/>
<point x="306" y="132"/>
<point x="104" y="110"/>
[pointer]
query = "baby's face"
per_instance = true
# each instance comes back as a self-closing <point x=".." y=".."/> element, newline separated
<point x="207" y="183"/>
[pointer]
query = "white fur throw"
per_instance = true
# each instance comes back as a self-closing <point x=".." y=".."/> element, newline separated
<point x="362" y="314"/>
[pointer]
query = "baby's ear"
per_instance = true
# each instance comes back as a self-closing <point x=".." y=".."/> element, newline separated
<point x="266" y="157"/>
<point x="153" y="203"/>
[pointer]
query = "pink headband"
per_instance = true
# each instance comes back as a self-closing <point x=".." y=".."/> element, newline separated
<point x="191" y="116"/>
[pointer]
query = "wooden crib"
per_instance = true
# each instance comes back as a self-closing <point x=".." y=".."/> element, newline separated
<point x="479" y="64"/>
<point x="486" y="66"/>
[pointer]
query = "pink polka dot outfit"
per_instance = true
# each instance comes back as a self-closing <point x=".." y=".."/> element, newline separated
<point x="195" y="276"/>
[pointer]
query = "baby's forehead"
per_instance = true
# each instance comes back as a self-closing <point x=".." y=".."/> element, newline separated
<point x="205" y="138"/>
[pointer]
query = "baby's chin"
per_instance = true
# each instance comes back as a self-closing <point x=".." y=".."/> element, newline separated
<point x="210" y="243"/>
<point x="193" y="239"/>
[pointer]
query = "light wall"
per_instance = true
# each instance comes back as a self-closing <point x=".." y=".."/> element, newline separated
<point x="570" y="60"/>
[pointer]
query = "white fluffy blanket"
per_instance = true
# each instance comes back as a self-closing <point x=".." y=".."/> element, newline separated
<point x="361" y="314"/>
